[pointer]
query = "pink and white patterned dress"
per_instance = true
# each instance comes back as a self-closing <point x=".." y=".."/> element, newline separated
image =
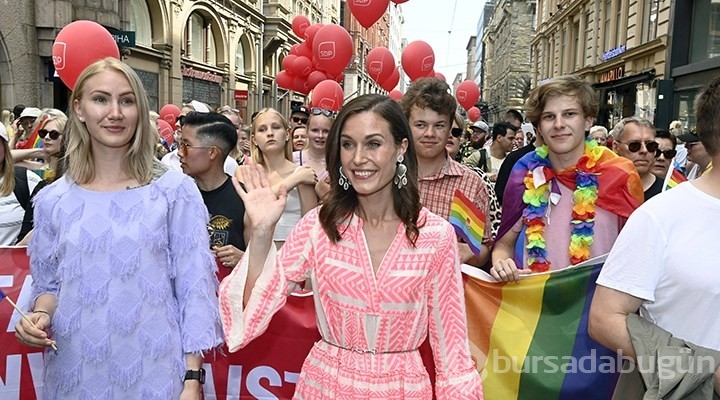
<point x="371" y="326"/>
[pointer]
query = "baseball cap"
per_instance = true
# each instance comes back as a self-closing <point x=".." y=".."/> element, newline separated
<point x="690" y="137"/>
<point x="480" y="125"/>
<point x="200" y="107"/>
<point x="3" y="133"/>
<point x="30" y="112"/>
<point x="300" y="109"/>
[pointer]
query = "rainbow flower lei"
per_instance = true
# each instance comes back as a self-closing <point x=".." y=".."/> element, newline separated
<point x="537" y="196"/>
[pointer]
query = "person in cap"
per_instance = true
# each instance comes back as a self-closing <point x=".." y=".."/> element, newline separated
<point x="26" y="138"/>
<point x="478" y="136"/>
<point x="697" y="155"/>
<point x="490" y="160"/>
<point x="664" y="267"/>
<point x="298" y="116"/>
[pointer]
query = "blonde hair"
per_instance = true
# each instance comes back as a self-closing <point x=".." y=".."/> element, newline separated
<point x="7" y="121"/>
<point x="255" y="153"/>
<point x="140" y="157"/>
<point x="8" y="171"/>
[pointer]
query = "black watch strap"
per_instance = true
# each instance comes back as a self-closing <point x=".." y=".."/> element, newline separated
<point x="198" y="375"/>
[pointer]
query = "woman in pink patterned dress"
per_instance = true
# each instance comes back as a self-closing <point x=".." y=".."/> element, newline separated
<point x="385" y="270"/>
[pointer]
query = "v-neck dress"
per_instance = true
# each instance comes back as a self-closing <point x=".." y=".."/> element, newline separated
<point x="371" y="327"/>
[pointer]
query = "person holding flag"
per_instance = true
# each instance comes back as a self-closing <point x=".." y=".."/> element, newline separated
<point x="566" y="201"/>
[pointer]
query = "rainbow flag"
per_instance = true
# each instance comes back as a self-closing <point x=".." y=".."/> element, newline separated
<point x="2" y="295"/>
<point x="468" y="221"/>
<point x="673" y="178"/>
<point x="530" y="340"/>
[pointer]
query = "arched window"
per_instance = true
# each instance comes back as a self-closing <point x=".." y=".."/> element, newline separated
<point x="140" y="22"/>
<point x="240" y="59"/>
<point x="199" y="40"/>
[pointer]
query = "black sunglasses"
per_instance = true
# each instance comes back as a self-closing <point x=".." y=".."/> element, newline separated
<point x="668" y="154"/>
<point x="319" y="111"/>
<point x="456" y="132"/>
<point x="635" y="145"/>
<point x="299" y="120"/>
<point x="53" y="134"/>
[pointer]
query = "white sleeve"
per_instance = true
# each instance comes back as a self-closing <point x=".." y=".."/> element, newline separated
<point x="230" y="166"/>
<point x="635" y="264"/>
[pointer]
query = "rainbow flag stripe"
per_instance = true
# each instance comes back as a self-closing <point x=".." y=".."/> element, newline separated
<point x="468" y="221"/>
<point x="673" y="178"/>
<point x="530" y="340"/>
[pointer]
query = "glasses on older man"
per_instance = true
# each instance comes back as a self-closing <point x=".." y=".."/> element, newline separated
<point x="322" y="111"/>
<point x="635" y="146"/>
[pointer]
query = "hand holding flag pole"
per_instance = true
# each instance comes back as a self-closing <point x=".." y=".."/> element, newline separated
<point x="3" y="296"/>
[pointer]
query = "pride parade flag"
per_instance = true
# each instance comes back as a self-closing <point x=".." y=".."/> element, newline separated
<point x="673" y="178"/>
<point x="468" y="221"/>
<point x="530" y="340"/>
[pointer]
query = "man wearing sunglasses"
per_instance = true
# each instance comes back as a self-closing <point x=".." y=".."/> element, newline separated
<point x="298" y="116"/>
<point x="205" y="142"/>
<point x="666" y="153"/>
<point x="634" y="139"/>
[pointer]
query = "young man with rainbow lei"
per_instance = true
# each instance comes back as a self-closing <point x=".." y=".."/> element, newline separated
<point x="566" y="201"/>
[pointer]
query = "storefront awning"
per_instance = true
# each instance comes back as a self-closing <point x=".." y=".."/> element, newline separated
<point x="628" y="80"/>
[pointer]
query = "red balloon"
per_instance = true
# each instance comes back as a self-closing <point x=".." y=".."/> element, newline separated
<point x="333" y="48"/>
<point x="285" y="80"/>
<point x="294" y="49"/>
<point x="418" y="60"/>
<point x="305" y="50"/>
<point x="380" y="64"/>
<point x="399" y="1"/>
<point x="169" y="113"/>
<point x="467" y="94"/>
<point x="166" y="131"/>
<point x="474" y="114"/>
<point x="396" y="95"/>
<point x="314" y="78"/>
<point x="288" y="62"/>
<point x="78" y="45"/>
<point x="300" y="24"/>
<point x="440" y="76"/>
<point x="301" y="66"/>
<point x="300" y="85"/>
<point x="311" y="32"/>
<point x="328" y="95"/>
<point x="392" y="81"/>
<point x="340" y="78"/>
<point x="367" y="12"/>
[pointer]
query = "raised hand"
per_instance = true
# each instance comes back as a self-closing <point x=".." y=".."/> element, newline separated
<point x="262" y="207"/>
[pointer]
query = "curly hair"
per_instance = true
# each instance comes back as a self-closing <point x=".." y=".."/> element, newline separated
<point x="432" y="93"/>
<point x="340" y="204"/>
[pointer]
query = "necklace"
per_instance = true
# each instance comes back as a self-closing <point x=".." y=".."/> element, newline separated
<point x="536" y="198"/>
<point x="321" y="160"/>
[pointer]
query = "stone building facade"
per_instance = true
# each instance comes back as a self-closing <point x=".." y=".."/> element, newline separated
<point x="508" y="63"/>
<point x="216" y="51"/>
<point x="618" y="45"/>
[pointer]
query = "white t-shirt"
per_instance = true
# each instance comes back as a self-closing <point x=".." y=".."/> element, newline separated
<point x="12" y="213"/>
<point x="172" y="161"/>
<point x="669" y="259"/>
<point x="495" y="163"/>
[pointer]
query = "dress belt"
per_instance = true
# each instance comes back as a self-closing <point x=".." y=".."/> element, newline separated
<point x="367" y="351"/>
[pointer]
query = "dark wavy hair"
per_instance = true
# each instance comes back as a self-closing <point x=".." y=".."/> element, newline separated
<point x="340" y="204"/>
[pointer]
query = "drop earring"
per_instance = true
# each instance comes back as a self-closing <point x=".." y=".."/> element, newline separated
<point x="344" y="181"/>
<point x="400" y="173"/>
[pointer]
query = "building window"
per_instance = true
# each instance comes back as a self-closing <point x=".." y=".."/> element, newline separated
<point x="577" y="56"/>
<point x="199" y="40"/>
<point x="240" y="59"/>
<point x="608" y="27"/>
<point x="650" y="20"/>
<point x="705" y="30"/>
<point x="140" y="22"/>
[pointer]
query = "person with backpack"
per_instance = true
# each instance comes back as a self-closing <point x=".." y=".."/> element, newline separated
<point x="17" y="185"/>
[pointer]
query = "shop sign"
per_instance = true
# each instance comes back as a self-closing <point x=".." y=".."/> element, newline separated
<point x="612" y="53"/>
<point x="190" y="72"/>
<point x="241" y="95"/>
<point x="615" y="73"/>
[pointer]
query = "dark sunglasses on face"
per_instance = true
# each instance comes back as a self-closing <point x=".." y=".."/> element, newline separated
<point x="668" y="154"/>
<point x="53" y="134"/>
<point x="319" y="111"/>
<point x="635" y="145"/>
<point x="299" y="120"/>
<point x="456" y="132"/>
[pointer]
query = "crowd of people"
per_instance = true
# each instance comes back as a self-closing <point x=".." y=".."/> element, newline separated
<point x="129" y="236"/>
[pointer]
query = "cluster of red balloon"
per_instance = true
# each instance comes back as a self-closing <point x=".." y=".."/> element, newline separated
<point x="169" y="114"/>
<point x="467" y="94"/>
<point x="380" y="65"/>
<point x="78" y="45"/>
<point x="321" y="57"/>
